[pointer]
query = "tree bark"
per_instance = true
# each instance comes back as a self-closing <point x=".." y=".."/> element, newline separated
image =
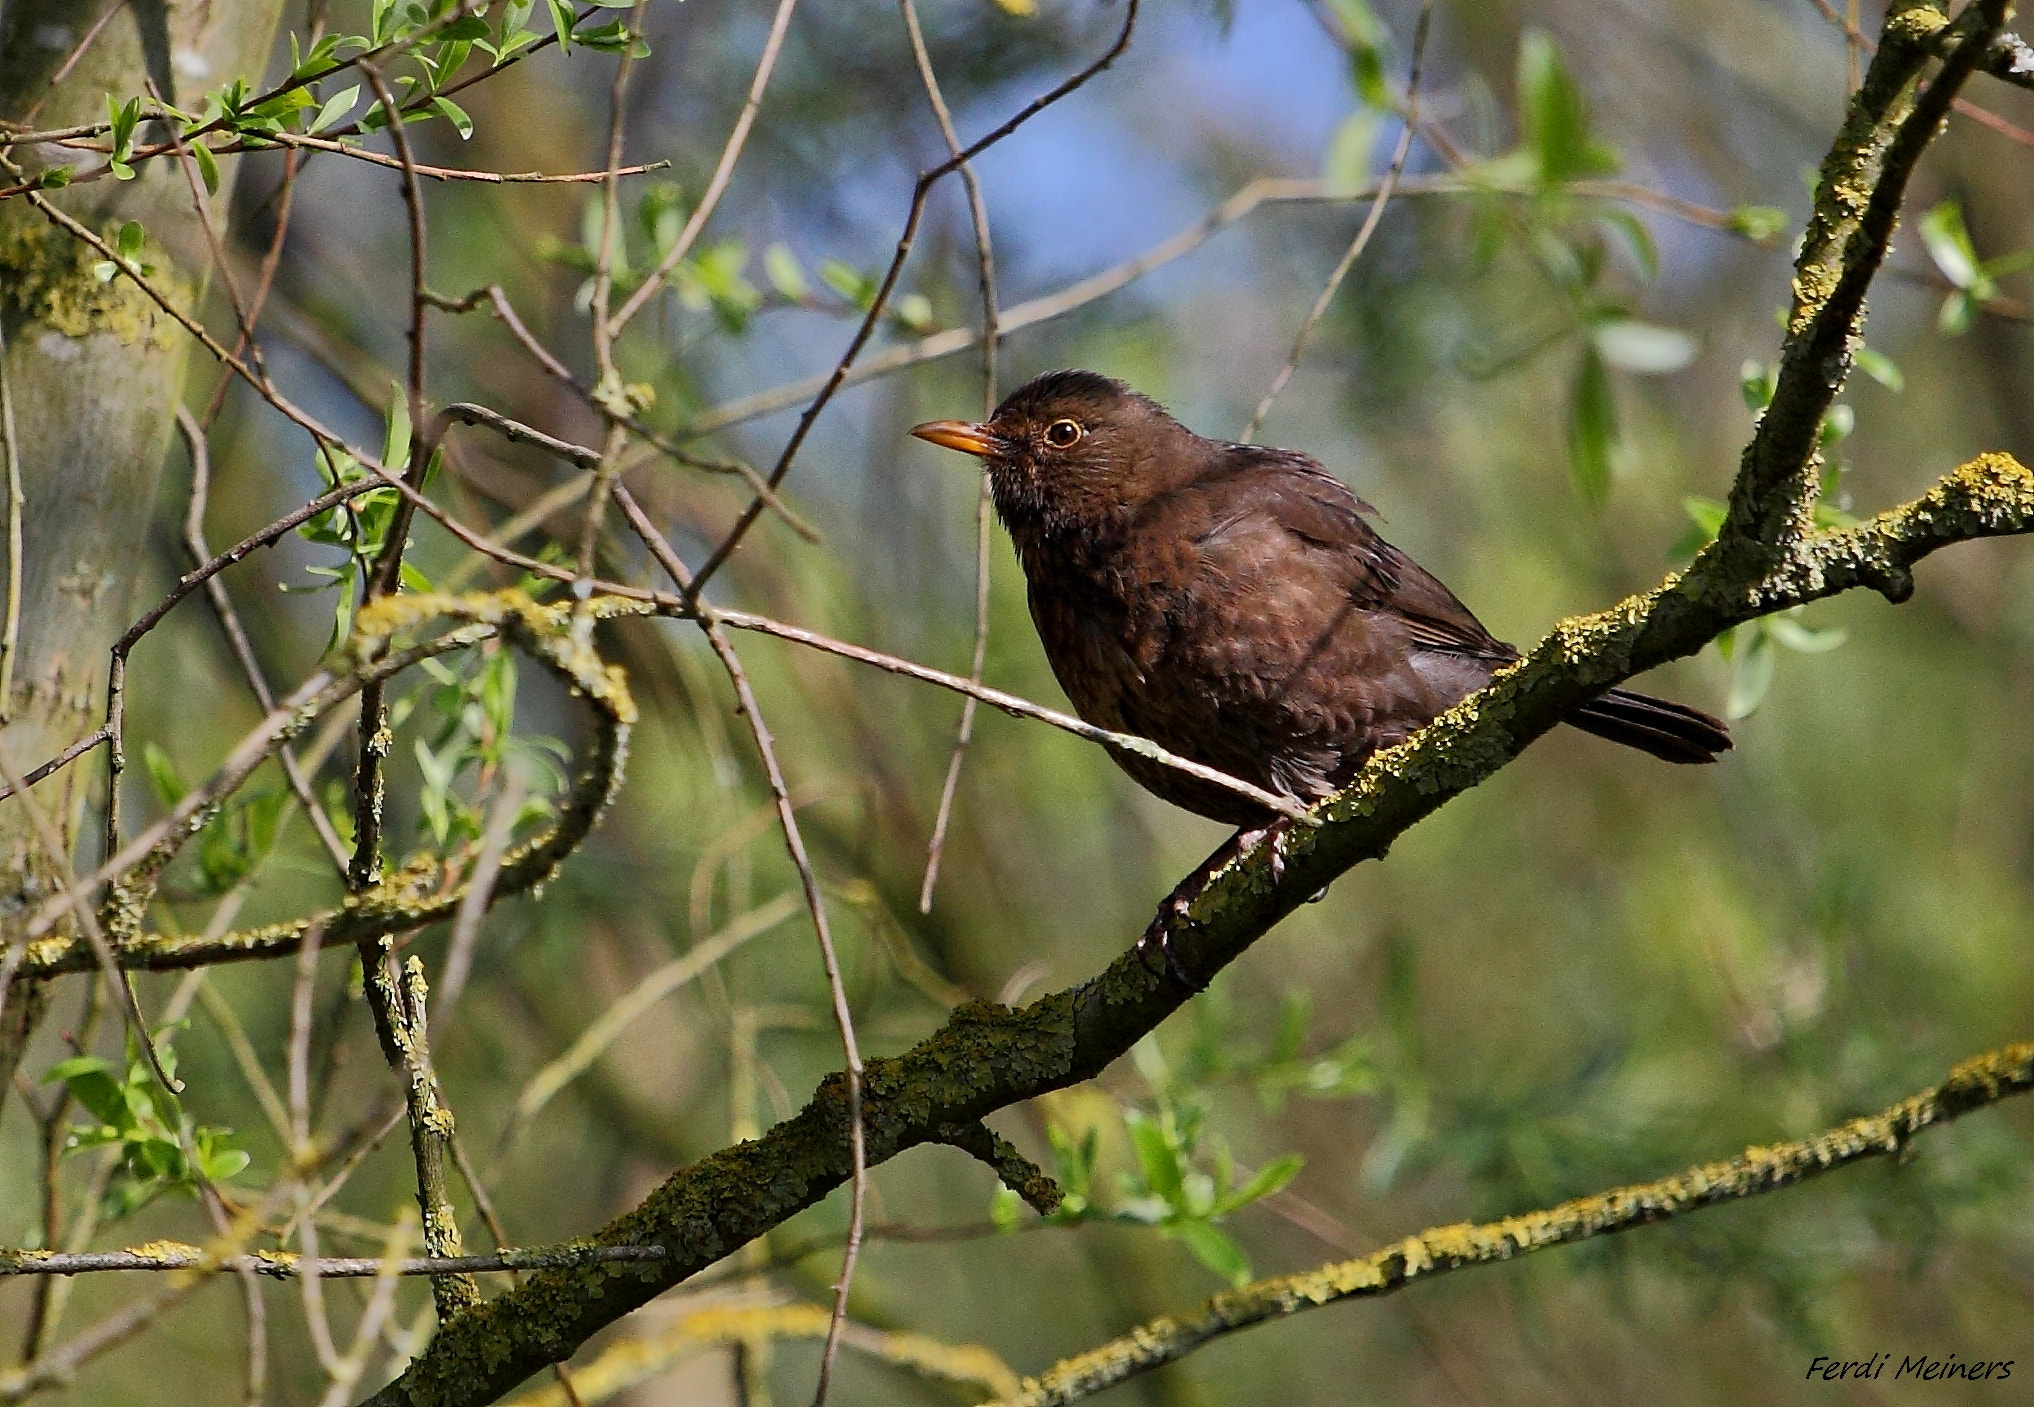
<point x="92" y="374"/>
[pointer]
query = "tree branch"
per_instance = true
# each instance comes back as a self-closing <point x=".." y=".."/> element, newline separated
<point x="1975" y="1084"/>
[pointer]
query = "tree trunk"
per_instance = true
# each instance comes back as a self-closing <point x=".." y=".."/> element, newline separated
<point x="91" y="373"/>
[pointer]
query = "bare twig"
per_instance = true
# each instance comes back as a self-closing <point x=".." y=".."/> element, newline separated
<point x="723" y="171"/>
<point x="985" y="264"/>
<point x="639" y="999"/>
<point x="236" y="636"/>
<point x="1363" y="234"/>
<point x="888" y="285"/>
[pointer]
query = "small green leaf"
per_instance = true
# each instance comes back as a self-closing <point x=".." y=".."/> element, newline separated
<point x="787" y="276"/>
<point x="1346" y="166"/>
<point x="1643" y="348"/>
<point x="56" y="177"/>
<point x="1554" y="116"/>
<point x="1592" y="429"/>
<point x="1270" y="1178"/>
<point x="456" y="115"/>
<point x="208" y="167"/>
<point x="1758" y="384"/>
<point x="1758" y="223"/>
<point x="1004" y="1210"/>
<point x="337" y="106"/>
<point x="1942" y="230"/>
<point x="848" y="281"/>
<point x="1788" y="631"/>
<point x="128" y="243"/>
<point x="561" y="23"/>
<point x="162" y="775"/>
<point x="1957" y="310"/>
<point x="1213" y="1248"/>
<point x="1157" y="1158"/>
<point x="1636" y="237"/>
<point x="1881" y="369"/>
<point x="1752" y="672"/>
<point x="1837" y="425"/>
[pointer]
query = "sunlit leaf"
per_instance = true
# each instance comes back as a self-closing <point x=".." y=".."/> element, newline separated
<point x="1643" y="348"/>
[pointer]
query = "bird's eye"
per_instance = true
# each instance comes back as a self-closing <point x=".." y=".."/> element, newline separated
<point x="1062" y="433"/>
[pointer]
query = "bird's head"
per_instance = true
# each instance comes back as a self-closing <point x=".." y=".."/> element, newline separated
<point x="1072" y="449"/>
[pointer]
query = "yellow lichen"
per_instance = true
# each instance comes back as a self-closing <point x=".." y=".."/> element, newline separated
<point x="46" y="276"/>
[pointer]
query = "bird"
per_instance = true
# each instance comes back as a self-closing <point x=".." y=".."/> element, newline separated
<point x="1232" y="603"/>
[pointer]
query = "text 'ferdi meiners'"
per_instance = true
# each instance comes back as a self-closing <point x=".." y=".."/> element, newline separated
<point x="1918" y="1365"/>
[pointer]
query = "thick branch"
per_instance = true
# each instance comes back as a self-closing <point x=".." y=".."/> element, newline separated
<point x="1982" y="1081"/>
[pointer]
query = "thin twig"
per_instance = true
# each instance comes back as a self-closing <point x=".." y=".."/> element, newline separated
<point x="985" y="264"/>
<point x="1369" y="227"/>
<point x="723" y="171"/>
<point x="1264" y="190"/>
<point x="236" y="636"/>
<point x="880" y="302"/>
<point x="17" y="506"/>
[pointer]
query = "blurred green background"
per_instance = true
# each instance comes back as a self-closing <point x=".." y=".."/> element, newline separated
<point x="1591" y="969"/>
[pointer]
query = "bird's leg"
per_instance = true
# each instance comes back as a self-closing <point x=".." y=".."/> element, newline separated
<point x="1174" y="909"/>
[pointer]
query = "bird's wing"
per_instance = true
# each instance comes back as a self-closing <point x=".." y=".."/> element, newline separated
<point x="1271" y="491"/>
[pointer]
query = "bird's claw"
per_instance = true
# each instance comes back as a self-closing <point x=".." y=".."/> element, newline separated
<point x="1159" y="936"/>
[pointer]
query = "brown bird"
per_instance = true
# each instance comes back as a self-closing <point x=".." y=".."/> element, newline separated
<point x="1230" y="603"/>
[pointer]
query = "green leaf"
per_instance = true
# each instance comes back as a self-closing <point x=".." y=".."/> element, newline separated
<point x="1213" y="1248"/>
<point x="1346" y="166"/>
<point x="1788" y="631"/>
<point x="1957" y="310"/>
<point x="208" y="167"/>
<point x="1758" y="223"/>
<point x="1592" y="429"/>
<point x="1157" y="1158"/>
<point x="93" y="1085"/>
<point x="1752" y="672"/>
<point x="1554" y="116"/>
<point x="335" y="107"/>
<point x="1758" y="384"/>
<point x="1837" y="425"/>
<point x="914" y="311"/>
<point x="1881" y="369"/>
<point x="561" y="23"/>
<point x="456" y="115"/>
<point x="1942" y="230"/>
<point x="128" y="242"/>
<point x="1004" y="1210"/>
<point x="1642" y="348"/>
<point x="1637" y="238"/>
<point x="787" y="276"/>
<point x="848" y="281"/>
<point x="162" y="775"/>
<point x="56" y="177"/>
<point x="1270" y="1178"/>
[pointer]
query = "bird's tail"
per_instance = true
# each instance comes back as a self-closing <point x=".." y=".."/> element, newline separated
<point x="1669" y="731"/>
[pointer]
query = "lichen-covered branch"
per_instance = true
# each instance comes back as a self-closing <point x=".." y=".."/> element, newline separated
<point x="637" y="1360"/>
<point x="1985" y="1080"/>
<point x="416" y="894"/>
<point x="284" y="1265"/>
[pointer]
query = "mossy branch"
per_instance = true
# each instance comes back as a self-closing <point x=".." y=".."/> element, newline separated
<point x="1978" y="1082"/>
<point x="417" y="894"/>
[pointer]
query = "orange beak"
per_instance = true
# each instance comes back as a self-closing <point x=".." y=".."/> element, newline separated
<point x="977" y="440"/>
